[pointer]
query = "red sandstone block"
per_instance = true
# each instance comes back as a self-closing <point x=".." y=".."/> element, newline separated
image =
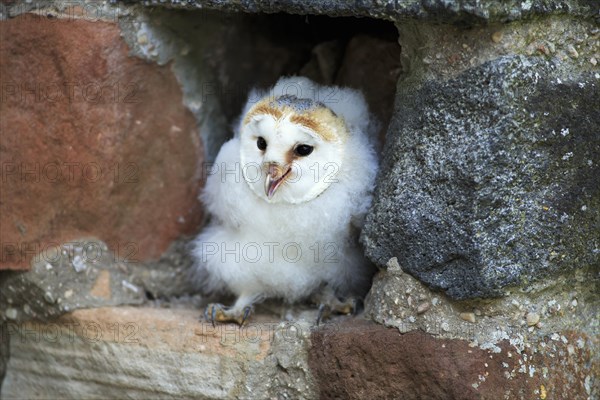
<point x="93" y="142"/>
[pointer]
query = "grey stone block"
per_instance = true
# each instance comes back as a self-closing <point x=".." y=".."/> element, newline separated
<point x="492" y="178"/>
<point x="433" y="10"/>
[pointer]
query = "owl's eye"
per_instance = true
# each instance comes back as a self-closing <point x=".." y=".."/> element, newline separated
<point x="303" y="150"/>
<point x="261" y="143"/>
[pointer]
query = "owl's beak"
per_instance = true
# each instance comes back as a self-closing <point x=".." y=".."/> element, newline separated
<point x="275" y="177"/>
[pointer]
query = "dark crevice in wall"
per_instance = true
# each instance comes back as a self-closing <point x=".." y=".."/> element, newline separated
<point x="357" y="52"/>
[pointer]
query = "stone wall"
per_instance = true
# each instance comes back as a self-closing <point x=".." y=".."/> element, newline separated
<point x="485" y="223"/>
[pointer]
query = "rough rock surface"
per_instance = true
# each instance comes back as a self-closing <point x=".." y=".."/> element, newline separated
<point x="80" y="275"/>
<point x="539" y="324"/>
<point x="440" y="10"/>
<point x="365" y="360"/>
<point x="491" y="177"/>
<point x="168" y="352"/>
<point x="570" y="302"/>
<point x="94" y="143"/>
<point x="141" y="352"/>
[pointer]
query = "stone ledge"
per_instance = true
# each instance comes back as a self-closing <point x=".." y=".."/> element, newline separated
<point x="135" y="352"/>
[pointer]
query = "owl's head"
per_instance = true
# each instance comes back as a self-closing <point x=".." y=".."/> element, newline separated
<point x="291" y="148"/>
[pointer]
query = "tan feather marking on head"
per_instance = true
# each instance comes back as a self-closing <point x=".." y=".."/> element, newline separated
<point x="320" y="120"/>
<point x="307" y="122"/>
<point x="263" y="108"/>
<point x="323" y="122"/>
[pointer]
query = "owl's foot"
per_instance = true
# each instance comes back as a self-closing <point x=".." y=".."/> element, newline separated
<point x="215" y="312"/>
<point x="334" y="306"/>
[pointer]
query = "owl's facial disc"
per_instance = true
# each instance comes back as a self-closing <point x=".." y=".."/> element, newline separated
<point x="275" y="178"/>
<point x="285" y="161"/>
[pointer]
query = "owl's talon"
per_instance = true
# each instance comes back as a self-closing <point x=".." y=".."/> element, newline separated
<point x="213" y="315"/>
<point x="351" y="306"/>
<point x="247" y="312"/>
<point x="324" y="312"/>
<point x="220" y="313"/>
<point x="214" y="312"/>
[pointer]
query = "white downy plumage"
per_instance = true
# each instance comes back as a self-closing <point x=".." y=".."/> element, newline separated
<point x="282" y="235"/>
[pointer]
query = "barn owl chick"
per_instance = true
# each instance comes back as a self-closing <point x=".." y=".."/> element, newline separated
<point x="287" y="196"/>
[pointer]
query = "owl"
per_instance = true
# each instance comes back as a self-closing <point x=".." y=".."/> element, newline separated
<point x="287" y="197"/>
